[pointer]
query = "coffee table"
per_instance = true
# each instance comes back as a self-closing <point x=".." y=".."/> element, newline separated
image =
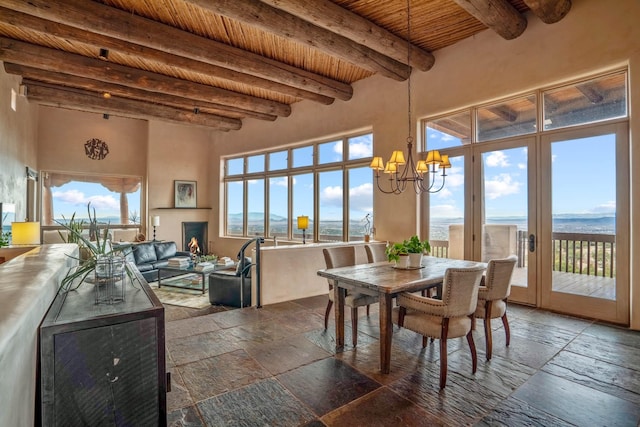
<point x="188" y="270"/>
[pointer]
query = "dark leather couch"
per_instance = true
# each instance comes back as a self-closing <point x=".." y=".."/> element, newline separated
<point x="149" y="256"/>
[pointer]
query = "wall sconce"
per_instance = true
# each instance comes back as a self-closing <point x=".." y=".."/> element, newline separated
<point x="303" y="224"/>
<point x="105" y="116"/>
<point x="155" y="221"/>
<point x="25" y="233"/>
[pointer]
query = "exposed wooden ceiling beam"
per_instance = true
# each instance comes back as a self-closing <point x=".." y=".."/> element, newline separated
<point x="549" y="11"/>
<point x="591" y="92"/>
<point x="498" y="15"/>
<point x="331" y="17"/>
<point x="108" y="21"/>
<point x="62" y="62"/>
<point x="25" y="21"/>
<point x="505" y="113"/>
<point x="68" y="80"/>
<point x="283" y="24"/>
<point x="90" y="101"/>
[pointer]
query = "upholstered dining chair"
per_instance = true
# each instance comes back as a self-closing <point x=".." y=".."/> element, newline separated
<point x="375" y="252"/>
<point x="492" y="297"/>
<point x="450" y="317"/>
<point x="343" y="256"/>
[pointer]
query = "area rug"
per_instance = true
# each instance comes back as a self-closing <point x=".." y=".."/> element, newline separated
<point x="190" y="296"/>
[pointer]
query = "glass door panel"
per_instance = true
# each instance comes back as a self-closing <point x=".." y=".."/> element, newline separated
<point x="446" y="214"/>
<point x="585" y="268"/>
<point x="503" y="213"/>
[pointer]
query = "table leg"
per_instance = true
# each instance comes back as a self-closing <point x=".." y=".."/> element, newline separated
<point x="386" y="332"/>
<point x="338" y="302"/>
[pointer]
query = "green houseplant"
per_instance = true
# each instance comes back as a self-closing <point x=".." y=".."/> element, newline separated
<point x="93" y="250"/>
<point x="411" y="246"/>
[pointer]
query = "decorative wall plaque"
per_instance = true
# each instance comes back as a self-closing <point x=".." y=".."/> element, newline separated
<point x="96" y="149"/>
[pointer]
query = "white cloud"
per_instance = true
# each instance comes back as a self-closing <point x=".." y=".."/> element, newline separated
<point x="522" y="165"/>
<point x="606" y="207"/>
<point x="71" y="196"/>
<point x="107" y="202"/>
<point x="78" y="198"/>
<point x="501" y="185"/>
<point x="445" y="211"/>
<point x="337" y="148"/>
<point x="359" y="150"/>
<point x="331" y="195"/>
<point x="361" y="197"/>
<point x="279" y="182"/>
<point x="497" y="159"/>
<point x="553" y="157"/>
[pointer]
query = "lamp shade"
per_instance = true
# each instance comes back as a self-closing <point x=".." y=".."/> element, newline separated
<point x="444" y="162"/>
<point x="391" y="168"/>
<point x="433" y="157"/>
<point x="377" y="164"/>
<point x="25" y="233"/>
<point x="303" y="222"/>
<point x="155" y="221"/>
<point x="397" y="157"/>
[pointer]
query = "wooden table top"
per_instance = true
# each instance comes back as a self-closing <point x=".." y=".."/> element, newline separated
<point x="383" y="277"/>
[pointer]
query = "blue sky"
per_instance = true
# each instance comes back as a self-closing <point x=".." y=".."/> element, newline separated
<point x="74" y="196"/>
<point x="582" y="171"/>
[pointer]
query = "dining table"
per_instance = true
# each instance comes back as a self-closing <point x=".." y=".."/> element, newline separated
<point x="386" y="280"/>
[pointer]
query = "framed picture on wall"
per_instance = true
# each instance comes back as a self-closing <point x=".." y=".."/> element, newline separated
<point x="185" y="194"/>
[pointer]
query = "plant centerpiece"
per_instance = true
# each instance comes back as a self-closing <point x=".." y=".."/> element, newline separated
<point x="408" y="253"/>
<point x="95" y="251"/>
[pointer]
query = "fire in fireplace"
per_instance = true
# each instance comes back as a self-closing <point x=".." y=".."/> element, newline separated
<point x="194" y="237"/>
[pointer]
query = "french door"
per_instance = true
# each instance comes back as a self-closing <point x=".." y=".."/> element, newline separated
<point x="504" y="209"/>
<point x="583" y="245"/>
<point x="559" y="203"/>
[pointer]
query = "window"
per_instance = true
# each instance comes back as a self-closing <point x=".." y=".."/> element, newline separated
<point x="116" y="199"/>
<point x="273" y="194"/>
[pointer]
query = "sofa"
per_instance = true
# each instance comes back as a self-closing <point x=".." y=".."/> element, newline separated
<point x="149" y="256"/>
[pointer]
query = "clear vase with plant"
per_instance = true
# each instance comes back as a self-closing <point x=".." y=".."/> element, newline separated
<point x="94" y="249"/>
<point x="367" y="227"/>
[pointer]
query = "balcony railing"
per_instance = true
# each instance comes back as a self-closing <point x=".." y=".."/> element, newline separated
<point x="579" y="253"/>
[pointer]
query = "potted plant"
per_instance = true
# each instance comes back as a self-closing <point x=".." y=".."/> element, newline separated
<point x="408" y="253"/>
<point x="94" y="250"/>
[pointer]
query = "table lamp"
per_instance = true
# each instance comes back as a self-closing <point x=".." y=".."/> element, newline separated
<point x="25" y="233"/>
<point x="155" y="221"/>
<point x="303" y="224"/>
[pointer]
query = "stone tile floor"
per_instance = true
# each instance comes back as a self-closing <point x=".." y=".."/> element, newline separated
<point x="278" y="366"/>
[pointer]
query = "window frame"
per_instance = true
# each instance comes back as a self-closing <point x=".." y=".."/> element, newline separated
<point x="289" y="173"/>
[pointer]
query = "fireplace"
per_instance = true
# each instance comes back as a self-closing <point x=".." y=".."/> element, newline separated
<point x="195" y="233"/>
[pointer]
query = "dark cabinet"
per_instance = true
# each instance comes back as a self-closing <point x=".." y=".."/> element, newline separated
<point x="103" y="364"/>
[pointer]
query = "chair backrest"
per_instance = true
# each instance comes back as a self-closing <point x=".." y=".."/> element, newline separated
<point x="498" y="277"/>
<point x="340" y="256"/>
<point x="460" y="290"/>
<point x="376" y="252"/>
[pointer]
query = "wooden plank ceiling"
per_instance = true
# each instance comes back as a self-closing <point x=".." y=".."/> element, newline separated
<point x="215" y="62"/>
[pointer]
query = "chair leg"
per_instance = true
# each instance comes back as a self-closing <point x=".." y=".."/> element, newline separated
<point x="507" y="331"/>
<point x="443" y="352"/>
<point x="354" y="326"/>
<point x="474" y="353"/>
<point x="424" y="341"/>
<point x="326" y="313"/>
<point x="488" y="336"/>
<point x="367" y="310"/>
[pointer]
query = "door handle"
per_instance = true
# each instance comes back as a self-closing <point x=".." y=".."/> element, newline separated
<point x="532" y="243"/>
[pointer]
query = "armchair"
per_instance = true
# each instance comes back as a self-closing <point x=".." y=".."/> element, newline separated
<point x="492" y="298"/>
<point x="233" y="288"/>
<point x="450" y="317"/>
